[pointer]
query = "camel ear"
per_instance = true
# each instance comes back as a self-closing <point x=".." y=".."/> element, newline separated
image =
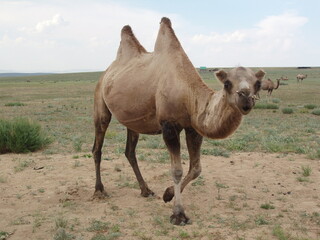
<point x="260" y="74"/>
<point x="221" y="75"/>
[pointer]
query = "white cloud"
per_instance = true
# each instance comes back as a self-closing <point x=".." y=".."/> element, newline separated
<point x="270" y="42"/>
<point x="56" y="21"/>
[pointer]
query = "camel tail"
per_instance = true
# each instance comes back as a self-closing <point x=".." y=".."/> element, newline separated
<point x="129" y="46"/>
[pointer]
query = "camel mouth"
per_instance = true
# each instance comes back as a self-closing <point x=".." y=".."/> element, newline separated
<point x="245" y="110"/>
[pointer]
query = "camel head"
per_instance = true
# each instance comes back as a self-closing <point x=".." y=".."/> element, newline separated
<point x="241" y="86"/>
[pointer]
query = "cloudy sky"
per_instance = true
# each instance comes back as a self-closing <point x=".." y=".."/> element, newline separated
<point x="83" y="35"/>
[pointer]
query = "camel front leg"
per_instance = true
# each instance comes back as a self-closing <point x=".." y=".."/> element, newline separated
<point x="171" y="136"/>
<point x="194" y="141"/>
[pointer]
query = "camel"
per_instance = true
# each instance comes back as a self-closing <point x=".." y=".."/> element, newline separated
<point x="161" y="92"/>
<point x="269" y="85"/>
<point x="300" y="77"/>
<point x="283" y="78"/>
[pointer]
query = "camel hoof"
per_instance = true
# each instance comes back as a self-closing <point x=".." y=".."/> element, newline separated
<point x="168" y="194"/>
<point x="147" y="193"/>
<point x="100" y="195"/>
<point x="180" y="219"/>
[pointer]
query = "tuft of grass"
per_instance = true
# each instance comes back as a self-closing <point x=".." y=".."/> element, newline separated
<point x="279" y="233"/>
<point x="306" y="171"/>
<point x="14" y="104"/>
<point x="267" y="206"/>
<point x="61" y="222"/>
<point x="266" y="106"/>
<point x="22" y="165"/>
<point x="198" y="182"/>
<point x="287" y="110"/>
<point x="215" y="152"/>
<point x="4" y="235"/>
<point x="77" y="144"/>
<point x="310" y="106"/>
<point x="61" y="234"/>
<point x="260" y="220"/>
<point x="98" y="226"/>
<point x="21" y="135"/>
<point x="316" y="112"/>
<point x="302" y="179"/>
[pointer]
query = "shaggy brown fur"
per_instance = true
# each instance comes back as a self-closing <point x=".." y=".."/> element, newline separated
<point x="161" y="92"/>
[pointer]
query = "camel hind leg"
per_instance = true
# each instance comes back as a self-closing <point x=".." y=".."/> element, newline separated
<point x="102" y="118"/>
<point x="132" y="141"/>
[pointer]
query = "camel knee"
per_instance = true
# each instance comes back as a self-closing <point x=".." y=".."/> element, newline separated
<point x="177" y="175"/>
<point x="196" y="172"/>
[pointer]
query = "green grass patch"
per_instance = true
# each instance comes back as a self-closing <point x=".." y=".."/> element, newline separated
<point x="21" y="135"/>
<point x="266" y="106"/>
<point x="287" y="110"/>
<point x="14" y="104"/>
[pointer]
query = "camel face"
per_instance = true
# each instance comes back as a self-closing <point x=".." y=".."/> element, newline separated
<point x="241" y="86"/>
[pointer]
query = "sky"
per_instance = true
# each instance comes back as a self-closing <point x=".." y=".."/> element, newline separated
<point x="84" y="35"/>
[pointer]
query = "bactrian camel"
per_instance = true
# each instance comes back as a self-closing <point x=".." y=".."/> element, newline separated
<point x="300" y="77"/>
<point x="269" y="85"/>
<point x="161" y="92"/>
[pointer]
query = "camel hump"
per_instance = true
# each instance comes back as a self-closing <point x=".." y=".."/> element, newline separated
<point x="166" y="40"/>
<point x="129" y="46"/>
<point x="166" y="21"/>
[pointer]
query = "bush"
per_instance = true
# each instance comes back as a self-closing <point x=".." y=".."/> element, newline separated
<point x="266" y="106"/>
<point x="316" y="112"/>
<point x="287" y="110"/>
<point x="14" y="104"/>
<point x="21" y="135"/>
<point x="310" y="106"/>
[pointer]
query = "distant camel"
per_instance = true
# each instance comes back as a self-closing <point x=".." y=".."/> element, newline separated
<point x="300" y="77"/>
<point x="162" y="92"/>
<point x="284" y="78"/>
<point x="269" y="85"/>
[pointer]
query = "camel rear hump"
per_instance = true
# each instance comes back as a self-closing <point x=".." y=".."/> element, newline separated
<point x="129" y="47"/>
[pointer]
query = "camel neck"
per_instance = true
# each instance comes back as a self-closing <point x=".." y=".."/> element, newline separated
<point x="213" y="116"/>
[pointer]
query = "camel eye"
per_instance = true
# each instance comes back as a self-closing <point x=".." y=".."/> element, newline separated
<point x="227" y="85"/>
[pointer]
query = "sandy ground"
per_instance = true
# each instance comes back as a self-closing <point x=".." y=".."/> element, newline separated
<point x="225" y="203"/>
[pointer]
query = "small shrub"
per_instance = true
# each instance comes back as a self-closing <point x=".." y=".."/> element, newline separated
<point x="287" y="110"/>
<point x="21" y="135"/>
<point x="14" y="104"/>
<point x="267" y="206"/>
<point x="276" y="100"/>
<point x="306" y="171"/>
<point x="266" y="106"/>
<point x="98" y="226"/>
<point x="316" y="112"/>
<point x="260" y="220"/>
<point x="310" y="106"/>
